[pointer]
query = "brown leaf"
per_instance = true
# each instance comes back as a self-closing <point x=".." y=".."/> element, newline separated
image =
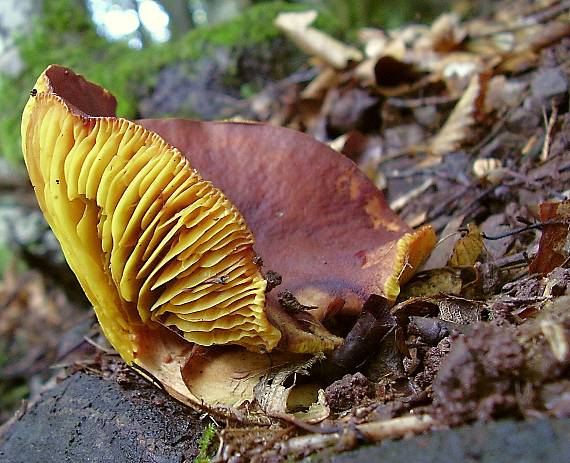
<point x="468" y="248"/>
<point x="458" y="126"/>
<point x="529" y="41"/>
<point x="352" y="109"/>
<point x="314" y="42"/>
<point x="553" y="249"/>
<point x="391" y="72"/>
<point x="446" y="33"/>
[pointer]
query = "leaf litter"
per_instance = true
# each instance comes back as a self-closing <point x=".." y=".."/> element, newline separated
<point x="464" y="125"/>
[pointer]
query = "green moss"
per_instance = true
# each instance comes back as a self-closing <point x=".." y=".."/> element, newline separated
<point x="6" y="257"/>
<point x="12" y="396"/>
<point x="387" y="14"/>
<point x="255" y="25"/>
<point x="11" y="391"/>
<point x="205" y="444"/>
<point x="64" y="34"/>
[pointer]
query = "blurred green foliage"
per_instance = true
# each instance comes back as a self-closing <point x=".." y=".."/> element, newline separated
<point x="7" y="255"/>
<point x="385" y="14"/>
<point x="12" y="392"/>
<point x="64" y="34"/>
<point x="11" y="395"/>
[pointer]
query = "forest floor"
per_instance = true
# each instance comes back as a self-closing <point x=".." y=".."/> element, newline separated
<point x="465" y="126"/>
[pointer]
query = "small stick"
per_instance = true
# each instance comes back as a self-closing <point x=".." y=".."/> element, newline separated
<point x="549" y="130"/>
<point x="516" y="231"/>
<point x="305" y="426"/>
<point x="397" y="427"/>
<point x="98" y="346"/>
<point x="419" y="102"/>
<point x="373" y="432"/>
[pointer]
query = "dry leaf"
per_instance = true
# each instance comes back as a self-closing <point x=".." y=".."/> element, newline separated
<point x="446" y="33"/>
<point x="490" y="169"/>
<point x="460" y="310"/>
<point x="443" y="249"/>
<point x="338" y="143"/>
<point x="277" y="399"/>
<point x="457" y="70"/>
<point x="502" y="93"/>
<point x="436" y="281"/>
<point x="494" y="225"/>
<point x="326" y="79"/>
<point x="554" y="247"/>
<point x="228" y="377"/>
<point x="374" y="41"/>
<point x="314" y="42"/>
<point x="392" y="72"/>
<point x="402" y="201"/>
<point x="558" y="338"/>
<point x="458" y="126"/>
<point x="467" y="249"/>
<point x="317" y="411"/>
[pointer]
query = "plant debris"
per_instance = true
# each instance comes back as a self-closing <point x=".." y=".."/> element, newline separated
<point x="467" y="130"/>
<point x="349" y="390"/>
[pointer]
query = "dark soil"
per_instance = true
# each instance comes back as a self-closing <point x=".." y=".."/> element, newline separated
<point x="351" y="389"/>
<point x="479" y="376"/>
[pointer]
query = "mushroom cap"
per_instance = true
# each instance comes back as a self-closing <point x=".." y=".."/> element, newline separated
<point x="152" y="243"/>
<point x="317" y="219"/>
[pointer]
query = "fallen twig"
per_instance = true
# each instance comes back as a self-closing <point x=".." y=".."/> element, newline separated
<point x="549" y="130"/>
<point x="420" y="102"/>
<point x="516" y="231"/>
<point x="373" y="432"/>
<point x="312" y="428"/>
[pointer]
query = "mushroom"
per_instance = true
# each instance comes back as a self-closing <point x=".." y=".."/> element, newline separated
<point x="143" y="231"/>
<point x="167" y="259"/>
<point x="318" y="221"/>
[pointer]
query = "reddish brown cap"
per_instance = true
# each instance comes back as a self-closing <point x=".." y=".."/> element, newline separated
<point x="317" y="219"/>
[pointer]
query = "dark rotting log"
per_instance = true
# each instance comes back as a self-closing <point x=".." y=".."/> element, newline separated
<point x="88" y="418"/>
